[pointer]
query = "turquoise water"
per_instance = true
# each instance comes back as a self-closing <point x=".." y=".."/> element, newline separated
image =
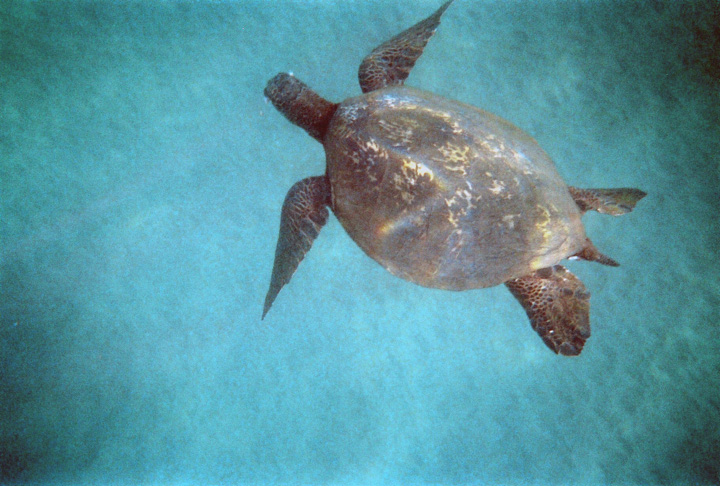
<point x="142" y="174"/>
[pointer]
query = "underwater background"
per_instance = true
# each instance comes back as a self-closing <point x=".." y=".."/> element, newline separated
<point x="142" y="174"/>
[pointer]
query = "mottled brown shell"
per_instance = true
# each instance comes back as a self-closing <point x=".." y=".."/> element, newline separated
<point x="444" y="194"/>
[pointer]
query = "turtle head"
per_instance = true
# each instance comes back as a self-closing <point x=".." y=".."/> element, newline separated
<point x="301" y="105"/>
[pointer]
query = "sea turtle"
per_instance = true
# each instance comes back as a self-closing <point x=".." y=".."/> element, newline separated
<point x="441" y="193"/>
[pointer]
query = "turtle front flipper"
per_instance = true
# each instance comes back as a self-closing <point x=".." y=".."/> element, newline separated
<point x="607" y="201"/>
<point x="304" y="213"/>
<point x="390" y="63"/>
<point x="558" y="306"/>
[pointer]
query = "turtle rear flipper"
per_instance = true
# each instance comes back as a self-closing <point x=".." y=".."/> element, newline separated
<point x="304" y="213"/>
<point x="607" y="201"/>
<point x="390" y="63"/>
<point x="558" y="306"/>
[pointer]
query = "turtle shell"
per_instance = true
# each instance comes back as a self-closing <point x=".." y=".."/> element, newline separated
<point x="444" y="194"/>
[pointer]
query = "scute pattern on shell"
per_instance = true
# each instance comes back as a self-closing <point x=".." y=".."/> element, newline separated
<point x="444" y="194"/>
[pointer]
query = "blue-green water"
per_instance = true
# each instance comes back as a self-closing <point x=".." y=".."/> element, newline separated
<point x="142" y="174"/>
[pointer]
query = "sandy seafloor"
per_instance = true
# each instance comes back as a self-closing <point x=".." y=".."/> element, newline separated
<point x="142" y="174"/>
